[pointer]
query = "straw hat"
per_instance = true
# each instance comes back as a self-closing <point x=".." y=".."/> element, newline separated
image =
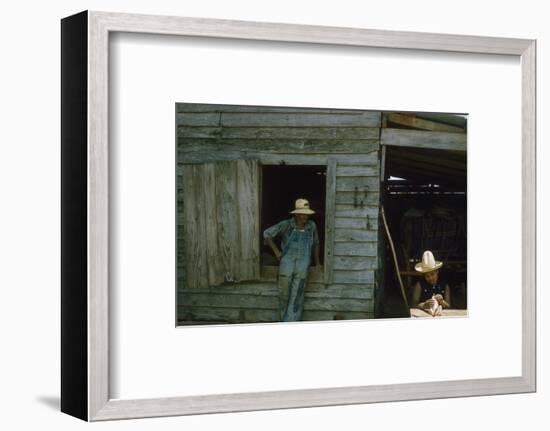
<point x="428" y="263"/>
<point x="302" y="207"/>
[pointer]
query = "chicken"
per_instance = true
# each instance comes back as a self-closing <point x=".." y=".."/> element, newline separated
<point x="435" y="306"/>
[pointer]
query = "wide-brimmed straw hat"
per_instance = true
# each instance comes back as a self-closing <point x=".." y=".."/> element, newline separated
<point x="302" y="207"/>
<point x="428" y="263"/>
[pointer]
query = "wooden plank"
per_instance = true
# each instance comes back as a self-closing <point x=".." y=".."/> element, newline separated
<point x="251" y="119"/>
<point x="180" y="223"/>
<point x="313" y="290"/>
<point x="355" y="235"/>
<point x="432" y="169"/>
<point x="276" y="159"/>
<point x="228" y="301"/>
<point x="353" y="277"/>
<point x="246" y="288"/>
<point x="343" y="210"/>
<point x="207" y="107"/>
<point x="355" y="263"/>
<point x="279" y="132"/>
<point x="195" y="315"/>
<point x="180" y="270"/>
<point x="350" y="223"/>
<point x="213" y="252"/>
<point x="349" y="184"/>
<point x="198" y="119"/>
<point x="228" y="218"/>
<point x="194" y="228"/>
<point x="450" y="158"/>
<point x="356" y="171"/>
<point x="383" y="163"/>
<point x="444" y="158"/>
<point x="269" y="273"/>
<point x="202" y="261"/>
<point x="280" y="119"/>
<point x="330" y="202"/>
<point x="357" y="223"/>
<point x="249" y="219"/>
<point x="432" y="162"/>
<point x="355" y="248"/>
<point x="226" y="315"/>
<point x="312" y="302"/>
<point x="347" y="198"/>
<point x="332" y="315"/>
<point x="422" y="139"/>
<point x="299" y="146"/>
<point x="222" y="315"/>
<point x="357" y="291"/>
<point x="338" y="304"/>
<point x="410" y="120"/>
<point x="188" y="227"/>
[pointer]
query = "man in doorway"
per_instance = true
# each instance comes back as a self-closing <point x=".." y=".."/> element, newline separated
<point x="299" y="238"/>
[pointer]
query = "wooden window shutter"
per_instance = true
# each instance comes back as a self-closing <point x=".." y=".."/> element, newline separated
<point x="221" y="222"/>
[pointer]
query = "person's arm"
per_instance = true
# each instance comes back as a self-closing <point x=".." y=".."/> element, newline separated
<point x="274" y="247"/>
<point x="316" y="247"/>
<point x="316" y="251"/>
<point x="417" y="290"/>
<point x="416" y="295"/>
<point x="272" y="232"/>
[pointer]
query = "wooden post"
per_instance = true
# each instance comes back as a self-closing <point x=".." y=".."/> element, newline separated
<point x="394" y="256"/>
<point x="330" y="208"/>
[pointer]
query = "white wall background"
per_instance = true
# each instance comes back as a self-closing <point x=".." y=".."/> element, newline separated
<point x="29" y="220"/>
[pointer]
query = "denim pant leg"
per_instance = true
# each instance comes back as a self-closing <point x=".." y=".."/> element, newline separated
<point x="295" y="265"/>
<point x="284" y="288"/>
<point x="295" y="308"/>
<point x="284" y="280"/>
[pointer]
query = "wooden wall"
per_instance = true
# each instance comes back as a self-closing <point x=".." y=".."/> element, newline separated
<point x="348" y="142"/>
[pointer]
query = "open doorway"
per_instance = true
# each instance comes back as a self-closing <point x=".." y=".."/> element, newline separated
<point x="425" y="202"/>
<point x="281" y="186"/>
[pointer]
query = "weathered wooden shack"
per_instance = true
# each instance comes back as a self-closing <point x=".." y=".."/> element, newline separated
<point x="239" y="170"/>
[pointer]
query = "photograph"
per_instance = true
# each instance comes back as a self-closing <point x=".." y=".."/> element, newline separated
<point x="260" y="218"/>
<point x="288" y="214"/>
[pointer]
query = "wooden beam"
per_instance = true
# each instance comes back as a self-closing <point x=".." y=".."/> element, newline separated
<point x="278" y="159"/>
<point x="383" y="164"/>
<point x="283" y="145"/>
<point x="411" y="120"/>
<point x="330" y="207"/>
<point x="442" y="157"/>
<point x="207" y="107"/>
<point x="297" y="119"/>
<point x="423" y="139"/>
<point x="278" y="132"/>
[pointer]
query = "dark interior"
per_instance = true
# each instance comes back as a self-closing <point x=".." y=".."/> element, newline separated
<point x="425" y="202"/>
<point x="281" y="186"/>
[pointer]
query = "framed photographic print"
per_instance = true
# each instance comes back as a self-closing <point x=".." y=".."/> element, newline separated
<point x="260" y="216"/>
<point x="279" y="209"/>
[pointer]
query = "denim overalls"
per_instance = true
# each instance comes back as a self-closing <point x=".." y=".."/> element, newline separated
<point x="293" y="270"/>
<point x="294" y="265"/>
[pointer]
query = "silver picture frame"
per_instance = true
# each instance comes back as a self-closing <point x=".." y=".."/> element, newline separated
<point x="85" y="215"/>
